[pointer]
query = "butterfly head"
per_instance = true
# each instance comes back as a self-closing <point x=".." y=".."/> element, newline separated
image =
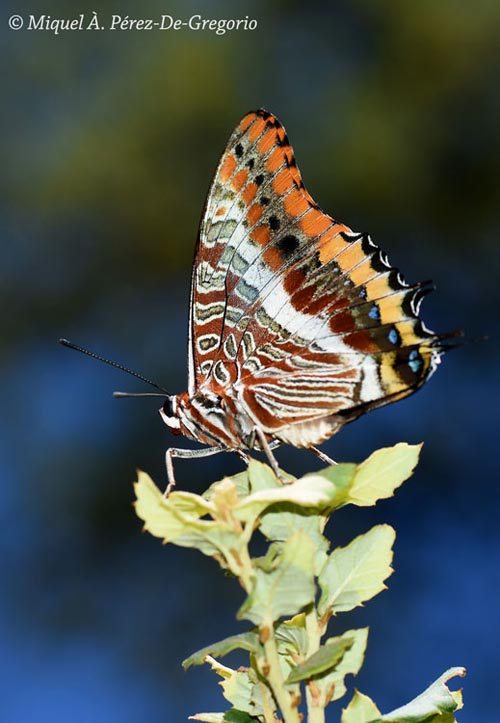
<point x="170" y="414"/>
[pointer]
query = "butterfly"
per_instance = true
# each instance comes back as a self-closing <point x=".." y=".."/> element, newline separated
<point x="297" y="324"/>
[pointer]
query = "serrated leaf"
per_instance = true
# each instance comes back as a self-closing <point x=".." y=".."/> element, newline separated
<point x="332" y="684"/>
<point x="322" y="660"/>
<point x="382" y="473"/>
<point x="165" y="521"/>
<point x="223" y="670"/>
<point x="159" y="513"/>
<point x="356" y="573"/>
<point x="361" y="709"/>
<point x="242" y="690"/>
<point x="244" y="641"/>
<point x="436" y="700"/>
<point x="177" y="520"/>
<point x="285" y="588"/>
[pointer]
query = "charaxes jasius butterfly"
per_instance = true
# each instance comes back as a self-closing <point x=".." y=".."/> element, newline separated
<point x="297" y="324"/>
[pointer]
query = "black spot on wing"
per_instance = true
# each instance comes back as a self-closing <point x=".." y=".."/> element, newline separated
<point x="410" y="366"/>
<point x="288" y="245"/>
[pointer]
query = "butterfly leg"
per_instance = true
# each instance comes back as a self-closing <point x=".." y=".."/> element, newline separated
<point x="323" y="457"/>
<point x="266" y="448"/>
<point x="185" y="454"/>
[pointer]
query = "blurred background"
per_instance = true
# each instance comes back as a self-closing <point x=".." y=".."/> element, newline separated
<point x="109" y="142"/>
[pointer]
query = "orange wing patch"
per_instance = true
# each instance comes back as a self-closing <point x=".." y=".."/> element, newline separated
<point x="295" y="203"/>
<point x="254" y="214"/>
<point x="314" y="222"/>
<point x="261" y="235"/>
<point x="227" y="168"/>
<point x="257" y="128"/>
<point x="282" y="183"/>
<point x="240" y="179"/>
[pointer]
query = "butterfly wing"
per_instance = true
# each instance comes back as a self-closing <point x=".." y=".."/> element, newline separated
<point x="303" y="318"/>
<point x="250" y="230"/>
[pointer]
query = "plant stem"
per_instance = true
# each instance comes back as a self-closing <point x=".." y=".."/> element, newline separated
<point x="315" y="713"/>
<point x="245" y="573"/>
<point x="312" y="629"/>
<point x="277" y="683"/>
<point x="267" y="706"/>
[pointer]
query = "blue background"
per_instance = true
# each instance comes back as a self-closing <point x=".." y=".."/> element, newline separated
<point x="109" y="142"/>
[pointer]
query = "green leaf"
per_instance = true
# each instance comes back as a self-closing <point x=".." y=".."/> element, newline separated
<point x="291" y="642"/>
<point x="361" y="709"/>
<point x="244" y="641"/>
<point x="241" y="482"/>
<point x="383" y="472"/>
<point x="341" y="477"/>
<point x="332" y="684"/>
<point x="291" y="636"/>
<point x="311" y="492"/>
<point x="177" y="519"/>
<point x="238" y="716"/>
<point x="281" y="521"/>
<point x="436" y="703"/>
<point x="286" y="586"/>
<point x="164" y="516"/>
<point x="322" y="660"/>
<point x="242" y="690"/>
<point x="356" y="573"/>
<point x="261" y="476"/>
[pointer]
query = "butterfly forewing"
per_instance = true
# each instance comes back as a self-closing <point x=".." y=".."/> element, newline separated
<point x="250" y="232"/>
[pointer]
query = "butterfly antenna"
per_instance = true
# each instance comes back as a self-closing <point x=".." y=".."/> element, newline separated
<point x="122" y="395"/>
<point x="111" y="363"/>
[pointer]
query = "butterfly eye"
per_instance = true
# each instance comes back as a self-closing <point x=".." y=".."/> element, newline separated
<point x="168" y="407"/>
